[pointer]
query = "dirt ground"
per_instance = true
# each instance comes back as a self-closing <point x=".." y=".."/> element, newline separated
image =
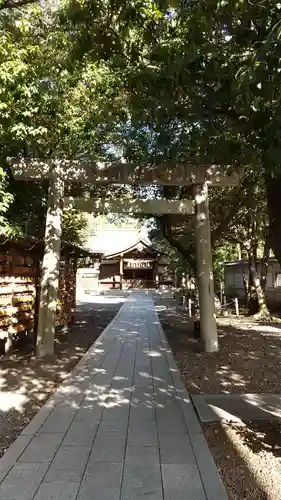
<point x="248" y="455"/>
<point x="248" y="361"/>
<point x="26" y="382"/>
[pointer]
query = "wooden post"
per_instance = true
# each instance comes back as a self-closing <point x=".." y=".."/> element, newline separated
<point x="121" y="271"/>
<point x="75" y="267"/>
<point x="189" y="308"/>
<point x="37" y="281"/>
<point x="156" y="267"/>
<point x="50" y="266"/>
<point x="183" y="280"/>
<point x="221" y="292"/>
<point x="157" y="280"/>
<point x="236" y="307"/>
<point x="208" y="327"/>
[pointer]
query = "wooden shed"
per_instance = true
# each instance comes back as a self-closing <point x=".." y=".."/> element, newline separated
<point x="234" y="273"/>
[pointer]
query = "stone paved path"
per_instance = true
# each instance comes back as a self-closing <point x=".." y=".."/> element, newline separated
<point x="121" y="427"/>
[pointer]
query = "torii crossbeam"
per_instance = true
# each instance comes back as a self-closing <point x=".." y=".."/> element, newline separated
<point x="123" y="173"/>
<point x="60" y="172"/>
<point x="132" y="206"/>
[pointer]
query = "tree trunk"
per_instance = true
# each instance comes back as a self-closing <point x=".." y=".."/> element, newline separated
<point x="251" y="291"/>
<point x="259" y="292"/>
<point x="51" y="266"/>
<point x="186" y="253"/>
<point x="273" y="193"/>
<point x="246" y="290"/>
<point x="264" y="265"/>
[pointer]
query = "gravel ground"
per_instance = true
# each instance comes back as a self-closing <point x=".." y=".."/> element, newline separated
<point x="248" y="455"/>
<point x="27" y="382"/>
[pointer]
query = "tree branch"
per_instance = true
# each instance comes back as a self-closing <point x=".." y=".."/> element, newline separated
<point x="167" y="232"/>
<point x="226" y="112"/>
<point x="224" y="225"/>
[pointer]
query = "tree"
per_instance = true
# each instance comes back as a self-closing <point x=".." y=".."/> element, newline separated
<point x="211" y="94"/>
<point x="6" y="199"/>
<point x="49" y="108"/>
<point x="249" y="228"/>
<point x="207" y="89"/>
<point x="154" y="82"/>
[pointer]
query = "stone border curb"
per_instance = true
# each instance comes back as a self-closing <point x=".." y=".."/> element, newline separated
<point x="214" y="488"/>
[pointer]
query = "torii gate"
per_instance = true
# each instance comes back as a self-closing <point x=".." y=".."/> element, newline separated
<point x="60" y="172"/>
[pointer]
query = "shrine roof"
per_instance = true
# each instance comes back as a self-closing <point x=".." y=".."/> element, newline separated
<point x="140" y="246"/>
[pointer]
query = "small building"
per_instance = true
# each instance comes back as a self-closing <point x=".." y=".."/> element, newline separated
<point x="138" y="266"/>
<point x="236" y="272"/>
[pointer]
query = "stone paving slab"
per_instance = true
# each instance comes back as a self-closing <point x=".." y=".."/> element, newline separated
<point x="120" y="427"/>
<point x="237" y="407"/>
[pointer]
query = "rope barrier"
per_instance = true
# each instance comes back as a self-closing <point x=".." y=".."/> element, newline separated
<point x="232" y="302"/>
<point x="192" y="304"/>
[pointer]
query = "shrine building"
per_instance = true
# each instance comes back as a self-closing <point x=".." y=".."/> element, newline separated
<point x="127" y="259"/>
<point x="138" y="266"/>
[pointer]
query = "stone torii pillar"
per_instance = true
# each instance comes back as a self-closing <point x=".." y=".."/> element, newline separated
<point x="50" y="266"/>
<point x="60" y="171"/>
<point x="208" y="327"/>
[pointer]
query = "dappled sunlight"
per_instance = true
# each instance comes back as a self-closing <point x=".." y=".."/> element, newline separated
<point x="100" y="299"/>
<point x="153" y="354"/>
<point x="222" y="414"/>
<point x="106" y="396"/>
<point x="271" y="406"/>
<point x="244" y="324"/>
<point x="242" y="464"/>
<point x="117" y="398"/>
<point x="123" y="391"/>
<point x="116" y="403"/>
<point x="99" y="370"/>
<point x="125" y="394"/>
<point x="12" y="401"/>
<point x="26" y="382"/>
<point x="145" y="375"/>
<point x="161" y="308"/>
<point x="253" y="464"/>
<point x="99" y="351"/>
<point x="248" y="360"/>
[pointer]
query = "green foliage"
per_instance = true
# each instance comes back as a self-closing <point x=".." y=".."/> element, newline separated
<point x="222" y="253"/>
<point x="6" y="199"/>
<point x="74" y="226"/>
<point x="49" y="107"/>
<point x="176" y="260"/>
<point x="157" y="81"/>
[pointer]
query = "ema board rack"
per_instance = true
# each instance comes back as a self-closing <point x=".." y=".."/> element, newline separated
<point x="17" y="295"/>
<point x="67" y="292"/>
<point x="20" y="279"/>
